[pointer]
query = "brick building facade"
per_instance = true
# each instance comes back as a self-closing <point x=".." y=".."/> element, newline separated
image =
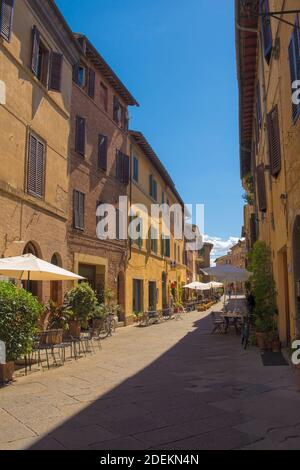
<point x="99" y="143"/>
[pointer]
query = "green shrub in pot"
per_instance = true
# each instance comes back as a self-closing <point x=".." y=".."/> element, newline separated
<point x="19" y="315"/>
<point x="81" y="302"/>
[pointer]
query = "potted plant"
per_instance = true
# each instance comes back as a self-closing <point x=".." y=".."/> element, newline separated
<point x="58" y="317"/>
<point x="80" y="303"/>
<point x="264" y="291"/>
<point x="19" y="314"/>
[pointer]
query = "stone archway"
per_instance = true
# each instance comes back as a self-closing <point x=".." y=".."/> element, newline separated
<point x="56" y="290"/>
<point x="33" y="286"/>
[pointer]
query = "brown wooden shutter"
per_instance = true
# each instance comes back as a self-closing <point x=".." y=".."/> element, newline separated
<point x="274" y="141"/>
<point x="6" y="18"/>
<point x="81" y="210"/>
<point x="78" y="209"/>
<point x="261" y="188"/>
<point x="35" y="50"/>
<point x="75" y="209"/>
<point x="56" y="63"/>
<point x="31" y="172"/>
<point x="102" y="152"/>
<point x="91" y="83"/>
<point x="36" y="167"/>
<point x="80" y="135"/>
<point x="126" y="170"/>
<point x="76" y="73"/>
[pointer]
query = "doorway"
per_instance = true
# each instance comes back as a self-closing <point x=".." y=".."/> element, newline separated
<point x="152" y="296"/>
<point x="137" y="296"/>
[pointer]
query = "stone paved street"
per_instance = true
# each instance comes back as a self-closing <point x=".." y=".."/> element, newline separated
<point x="170" y="386"/>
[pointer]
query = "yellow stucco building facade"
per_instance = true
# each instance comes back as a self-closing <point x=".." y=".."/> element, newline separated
<point x="268" y="52"/>
<point x="154" y="266"/>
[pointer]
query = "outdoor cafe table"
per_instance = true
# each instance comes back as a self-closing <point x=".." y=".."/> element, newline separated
<point x="232" y="318"/>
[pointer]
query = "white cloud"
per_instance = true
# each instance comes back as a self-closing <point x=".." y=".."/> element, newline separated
<point x="221" y="246"/>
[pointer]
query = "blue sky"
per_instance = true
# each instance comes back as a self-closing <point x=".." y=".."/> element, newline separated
<point x="178" y="60"/>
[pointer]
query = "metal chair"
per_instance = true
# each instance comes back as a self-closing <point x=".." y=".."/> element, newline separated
<point x="49" y="341"/>
<point x="218" y="321"/>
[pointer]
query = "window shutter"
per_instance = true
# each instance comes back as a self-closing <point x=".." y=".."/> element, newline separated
<point x="162" y="246"/>
<point x="36" y="167"/>
<point x="81" y="210"/>
<point x="40" y="168"/>
<point x="91" y="83"/>
<point x="261" y="188"/>
<point x="56" y="63"/>
<point x="76" y="209"/>
<point x="31" y="172"/>
<point x="266" y="29"/>
<point x="6" y="18"/>
<point x="76" y="73"/>
<point x="151" y="185"/>
<point x="35" y="50"/>
<point x="102" y="152"/>
<point x="126" y="170"/>
<point x="274" y="141"/>
<point x="80" y="135"/>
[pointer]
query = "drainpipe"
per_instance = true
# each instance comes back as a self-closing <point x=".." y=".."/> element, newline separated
<point x="130" y="203"/>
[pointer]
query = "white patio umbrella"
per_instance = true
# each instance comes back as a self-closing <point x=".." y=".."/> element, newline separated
<point x="216" y="285"/>
<point x="31" y="268"/>
<point x="198" y="286"/>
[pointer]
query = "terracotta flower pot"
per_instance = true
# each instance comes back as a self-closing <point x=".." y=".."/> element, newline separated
<point x="261" y="340"/>
<point x="75" y="329"/>
<point x="6" y="372"/>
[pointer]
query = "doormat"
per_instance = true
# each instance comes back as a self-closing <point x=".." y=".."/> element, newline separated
<point x="273" y="359"/>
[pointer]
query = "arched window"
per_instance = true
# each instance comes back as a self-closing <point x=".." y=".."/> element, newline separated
<point x="31" y="286"/>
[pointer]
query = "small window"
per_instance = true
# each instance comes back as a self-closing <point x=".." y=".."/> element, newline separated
<point x="135" y="169"/>
<point x="153" y="187"/>
<point x="78" y="209"/>
<point x="36" y="166"/>
<point x="104" y="96"/>
<point x="45" y="64"/>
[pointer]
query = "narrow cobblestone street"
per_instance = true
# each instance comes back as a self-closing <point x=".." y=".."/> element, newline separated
<point x="170" y="386"/>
